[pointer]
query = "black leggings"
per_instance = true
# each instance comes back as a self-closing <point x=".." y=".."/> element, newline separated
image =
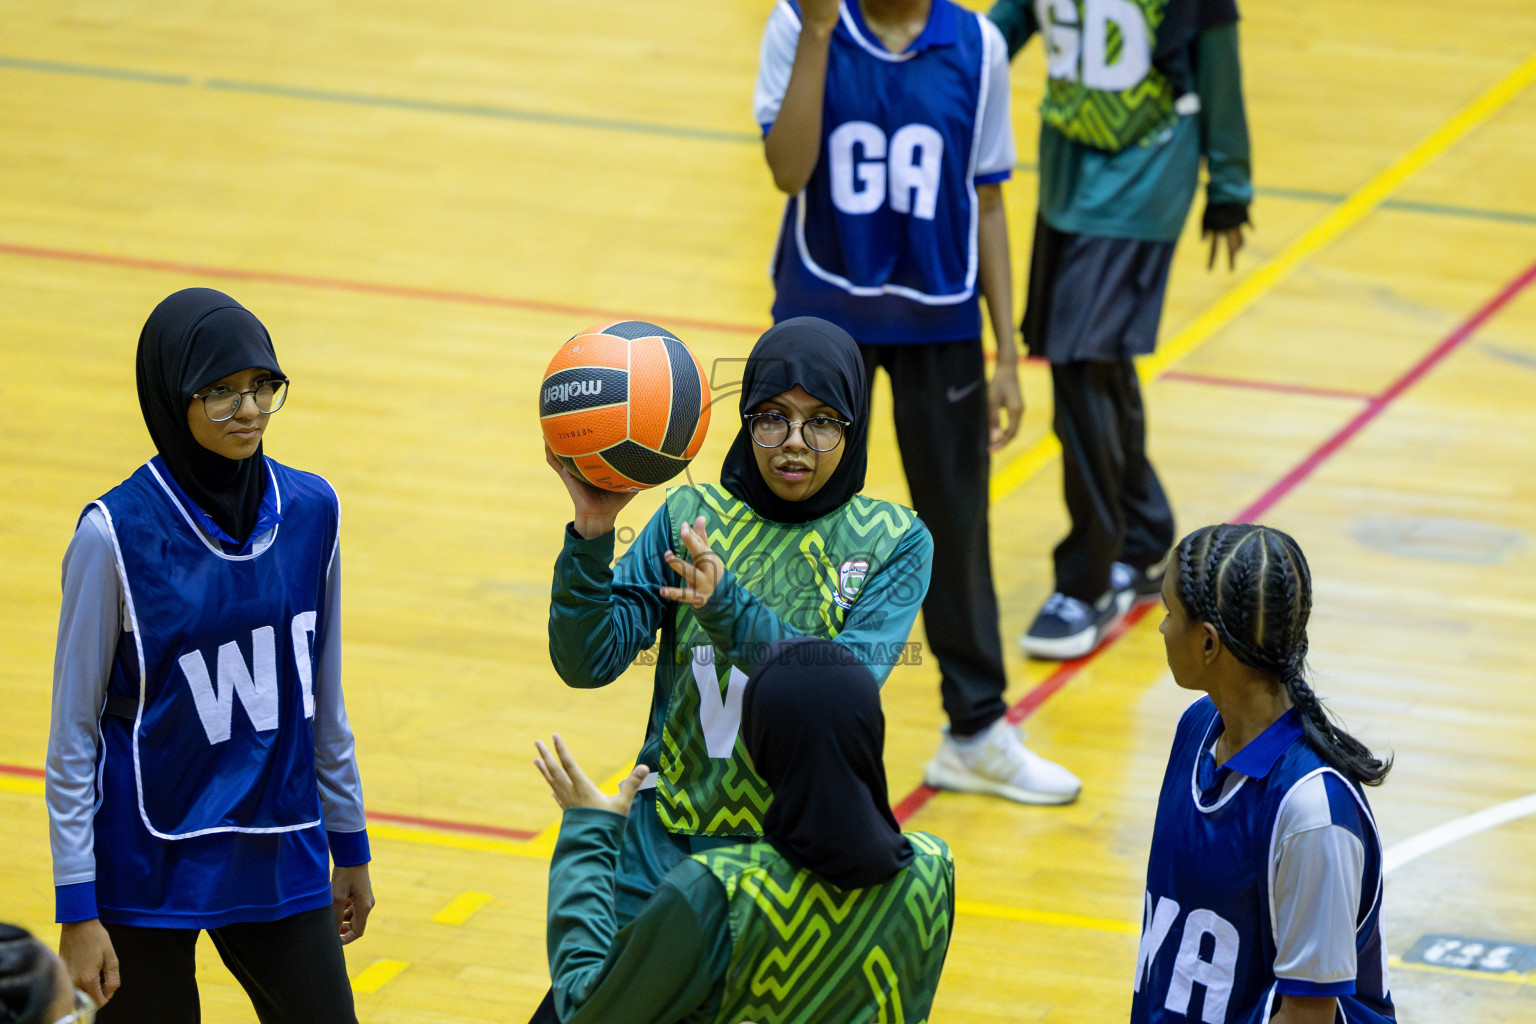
<point x="292" y="969"/>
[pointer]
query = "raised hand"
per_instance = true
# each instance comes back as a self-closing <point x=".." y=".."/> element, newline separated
<point x="595" y="509"/>
<point x="819" y="15"/>
<point x="701" y="575"/>
<point x="570" y="787"/>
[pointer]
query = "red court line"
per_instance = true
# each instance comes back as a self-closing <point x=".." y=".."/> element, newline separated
<point x="16" y="769"/>
<point x="919" y="797"/>
<point x="589" y="313"/>
<point x="1263" y="385"/>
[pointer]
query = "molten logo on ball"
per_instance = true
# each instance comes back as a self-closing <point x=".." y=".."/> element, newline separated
<point x="624" y="406"/>
<point x="557" y="394"/>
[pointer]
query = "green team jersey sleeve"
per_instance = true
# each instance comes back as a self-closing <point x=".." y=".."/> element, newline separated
<point x="1016" y="19"/>
<point x="601" y="614"/>
<point x="876" y="627"/>
<point x="668" y="965"/>
<point x="1223" y="121"/>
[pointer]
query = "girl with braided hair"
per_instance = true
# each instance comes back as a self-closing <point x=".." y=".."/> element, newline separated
<point x="1264" y="882"/>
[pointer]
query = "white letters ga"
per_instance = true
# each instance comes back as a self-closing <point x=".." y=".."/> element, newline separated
<point x="867" y="168"/>
<point x="1215" y="974"/>
<point x="1079" y="52"/>
<point x="719" y="714"/>
<point x="255" y="683"/>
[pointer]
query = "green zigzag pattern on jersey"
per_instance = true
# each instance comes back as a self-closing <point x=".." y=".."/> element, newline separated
<point x="819" y="953"/>
<point x="790" y="569"/>
<point x="1113" y="120"/>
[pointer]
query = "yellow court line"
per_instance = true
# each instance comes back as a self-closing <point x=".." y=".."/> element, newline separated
<point x="30" y="787"/>
<point x="377" y="974"/>
<point x="1099" y="924"/>
<point x="462" y="907"/>
<point x="534" y="848"/>
<point x="1508" y="978"/>
<point x="1247" y="291"/>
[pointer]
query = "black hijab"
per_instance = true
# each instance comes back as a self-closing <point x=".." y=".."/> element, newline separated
<point x="27" y="978"/>
<point x="821" y="358"/>
<point x="812" y="724"/>
<point x="194" y="338"/>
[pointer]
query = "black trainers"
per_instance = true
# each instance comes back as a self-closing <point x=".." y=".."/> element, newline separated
<point x="1068" y="628"/>
<point x="1141" y="584"/>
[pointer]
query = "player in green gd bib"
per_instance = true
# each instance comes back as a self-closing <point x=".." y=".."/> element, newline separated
<point x="1139" y="94"/>
<point x="784" y="546"/>
<point x="839" y="916"/>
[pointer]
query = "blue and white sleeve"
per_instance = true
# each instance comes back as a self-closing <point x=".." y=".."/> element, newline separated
<point x="995" y="151"/>
<point x="1317" y="870"/>
<point x="90" y="622"/>
<point x="776" y="59"/>
<point x="341" y="789"/>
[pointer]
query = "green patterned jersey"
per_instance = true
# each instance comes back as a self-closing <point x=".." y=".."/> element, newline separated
<point x="809" y="575"/>
<point x="803" y="950"/>
<point x="1102" y="89"/>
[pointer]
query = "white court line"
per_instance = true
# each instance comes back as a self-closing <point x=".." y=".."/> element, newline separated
<point x="1455" y="831"/>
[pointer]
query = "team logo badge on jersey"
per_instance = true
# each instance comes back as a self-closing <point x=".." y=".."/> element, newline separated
<point x="850" y="579"/>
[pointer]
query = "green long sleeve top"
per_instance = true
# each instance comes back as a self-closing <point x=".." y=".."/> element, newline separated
<point x="665" y="967"/>
<point x="1145" y="191"/>
<point x="602" y="616"/>
<point x="710" y="944"/>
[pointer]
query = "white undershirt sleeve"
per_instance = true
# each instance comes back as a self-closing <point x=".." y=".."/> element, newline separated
<point x="341" y="789"/>
<point x="1318" y="870"/>
<point x="90" y="622"/>
<point x="995" y="153"/>
<point x="776" y="59"/>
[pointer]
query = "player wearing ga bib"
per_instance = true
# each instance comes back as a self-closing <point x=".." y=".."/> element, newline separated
<point x="1264" y="880"/>
<point x="209" y="806"/>
<point x="882" y="239"/>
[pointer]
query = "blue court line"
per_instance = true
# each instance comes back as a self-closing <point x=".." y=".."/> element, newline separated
<point x="477" y="110"/>
<point x="633" y="127"/>
<point x="91" y="71"/>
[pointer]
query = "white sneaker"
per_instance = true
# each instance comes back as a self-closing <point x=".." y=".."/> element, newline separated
<point x="998" y="763"/>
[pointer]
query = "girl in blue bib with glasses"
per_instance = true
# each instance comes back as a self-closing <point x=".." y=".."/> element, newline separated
<point x="201" y="773"/>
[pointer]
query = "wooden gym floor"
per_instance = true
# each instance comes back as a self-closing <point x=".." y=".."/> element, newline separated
<point x="423" y="200"/>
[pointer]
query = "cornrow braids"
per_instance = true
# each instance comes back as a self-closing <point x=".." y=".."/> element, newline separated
<point x="26" y="977"/>
<point x="1253" y="585"/>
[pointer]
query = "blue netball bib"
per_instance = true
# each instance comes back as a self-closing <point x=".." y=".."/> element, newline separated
<point x="218" y="654"/>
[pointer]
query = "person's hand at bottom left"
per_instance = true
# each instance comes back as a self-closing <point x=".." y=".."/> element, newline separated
<point x="570" y="787"/>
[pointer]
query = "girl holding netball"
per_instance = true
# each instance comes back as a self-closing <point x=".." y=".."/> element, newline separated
<point x="783" y="546"/>
<point x="201" y="773"/>
<point x="1264" y="884"/>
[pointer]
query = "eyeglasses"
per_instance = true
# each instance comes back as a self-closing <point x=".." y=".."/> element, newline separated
<point x="771" y="429"/>
<point x="83" y="1013"/>
<point x="223" y="403"/>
